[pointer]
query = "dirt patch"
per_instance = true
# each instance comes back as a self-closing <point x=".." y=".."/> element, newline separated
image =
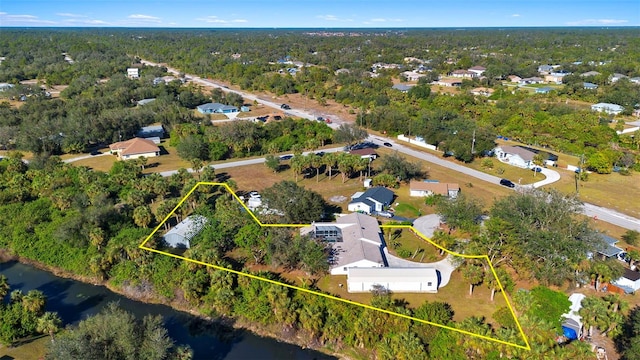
<point x="338" y="199"/>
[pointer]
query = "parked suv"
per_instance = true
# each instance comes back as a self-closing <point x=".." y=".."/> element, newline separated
<point x="385" y="214"/>
<point x="507" y="183"/>
<point x="285" y="106"/>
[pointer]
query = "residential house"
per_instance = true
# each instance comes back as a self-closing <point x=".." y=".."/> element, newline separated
<point x="531" y="80"/>
<point x="482" y="91"/>
<point x="151" y="131"/>
<point x="181" y="234"/>
<point x="514" y="78"/>
<point x="356" y="241"/>
<point x="617" y="76"/>
<point x="132" y="73"/>
<point x="612" y="109"/>
<point x="478" y="70"/>
<point x="464" y="74"/>
<point x="134" y="148"/>
<point x="217" y="108"/>
<point x="629" y="281"/>
<point x="6" y="86"/>
<point x="590" y="73"/>
<point x="366" y="153"/>
<point x="609" y="249"/>
<point x="412" y="75"/>
<point x="430" y="188"/>
<point x="398" y="280"/>
<point x="572" y="324"/>
<point x="515" y="156"/>
<point x="545" y="69"/>
<point x="589" y="86"/>
<point x="371" y="201"/>
<point x="402" y="87"/>
<point x="543" y="90"/>
<point x="449" y="82"/>
<point x="554" y="78"/>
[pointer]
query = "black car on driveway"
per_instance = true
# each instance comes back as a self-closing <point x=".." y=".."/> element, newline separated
<point x="507" y="183"/>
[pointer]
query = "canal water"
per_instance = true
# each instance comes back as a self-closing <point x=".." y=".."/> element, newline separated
<point x="75" y="301"/>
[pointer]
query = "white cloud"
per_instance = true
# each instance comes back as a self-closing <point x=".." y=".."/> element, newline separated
<point x="379" y="20"/>
<point x="143" y="17"/>
<point x="597" y="22"/>
<point x="217" y="20"/>
<point x="86" y="22"/>
<point x="515" y="15"/>
<point x="71" y="15"/>
<point x="23" y="20"/>
<point x="333" y="18"/>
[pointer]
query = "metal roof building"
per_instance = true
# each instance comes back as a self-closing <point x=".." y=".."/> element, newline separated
<point x="400" y="280"/>
<point x="181" y="234"/>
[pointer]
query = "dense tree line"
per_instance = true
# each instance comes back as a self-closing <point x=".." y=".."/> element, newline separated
<point x="24" y="316"/>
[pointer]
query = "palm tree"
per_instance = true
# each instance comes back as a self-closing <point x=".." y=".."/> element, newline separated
<point x="4" y="286"/>
<point x="49" y="323"/>
<point x="16" y="296"/>
<point x="329" y="160"/>
<point x="184" y="353"/>
<point x="34" y="301"/>
<point x="142" y="216"/>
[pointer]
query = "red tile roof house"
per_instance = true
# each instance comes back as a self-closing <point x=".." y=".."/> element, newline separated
<point x="134" y="148"/>
<point x="422" y="188"/>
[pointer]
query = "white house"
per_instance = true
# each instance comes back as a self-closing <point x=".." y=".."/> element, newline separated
<point x="412" y="75"/>
<point x="399" y="280"/>
<point x="371" y="201"/>
<point x="132" y="73"/>
<point x="515" y="156"/>
<point x="613" y="109"/>
<point x="356" y="241"/>
<point x="430" y="188"/>
<point x="134" y="148"/>
<point x="630" y="281"/>
<point x="181" y="234"/>
<point x="478" y="70"/>
<point x="464" y="74"/>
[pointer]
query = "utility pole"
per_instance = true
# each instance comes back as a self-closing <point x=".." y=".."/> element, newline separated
<point x="473" y="143"/>
<point x="579" y="173"/>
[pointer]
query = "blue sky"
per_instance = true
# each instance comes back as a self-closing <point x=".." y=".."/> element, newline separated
<point x="318" y="13"/>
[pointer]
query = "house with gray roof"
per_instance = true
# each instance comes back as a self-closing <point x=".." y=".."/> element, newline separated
<point x="151" y="131"/>
<point x="515" y="156"/>
<point x="181" y="234"/>
<point x="371" y="201"/>
<point x="609" y="249"/>
<point x="612" y="109"/>
<point x="589" y="86"/>
<point x="590" y="73"/>
<point x="355" y="239"/>
<point x="217" y="108"/>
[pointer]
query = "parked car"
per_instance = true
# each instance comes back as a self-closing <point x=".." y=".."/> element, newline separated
<point x="385" y="214"/>
<point x="387" y="144"/>
<point x="285" y="106"/>
<point x="536" y="169"/>
<point x="327" y="120"/>
<point x="507" y="183"/>
<point x="286" y="157"/>
<point x="320" y="118"/>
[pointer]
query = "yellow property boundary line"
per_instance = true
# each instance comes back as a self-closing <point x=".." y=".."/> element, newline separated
<point x="251" y="276"/>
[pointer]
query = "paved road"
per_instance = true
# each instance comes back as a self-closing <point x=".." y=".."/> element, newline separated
<point x="230" y="164"/>
<point x="603" y="214"/>
<point x="249" y="96"/>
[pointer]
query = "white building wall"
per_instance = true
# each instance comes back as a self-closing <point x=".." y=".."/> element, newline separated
<point x="342" y="270"/>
